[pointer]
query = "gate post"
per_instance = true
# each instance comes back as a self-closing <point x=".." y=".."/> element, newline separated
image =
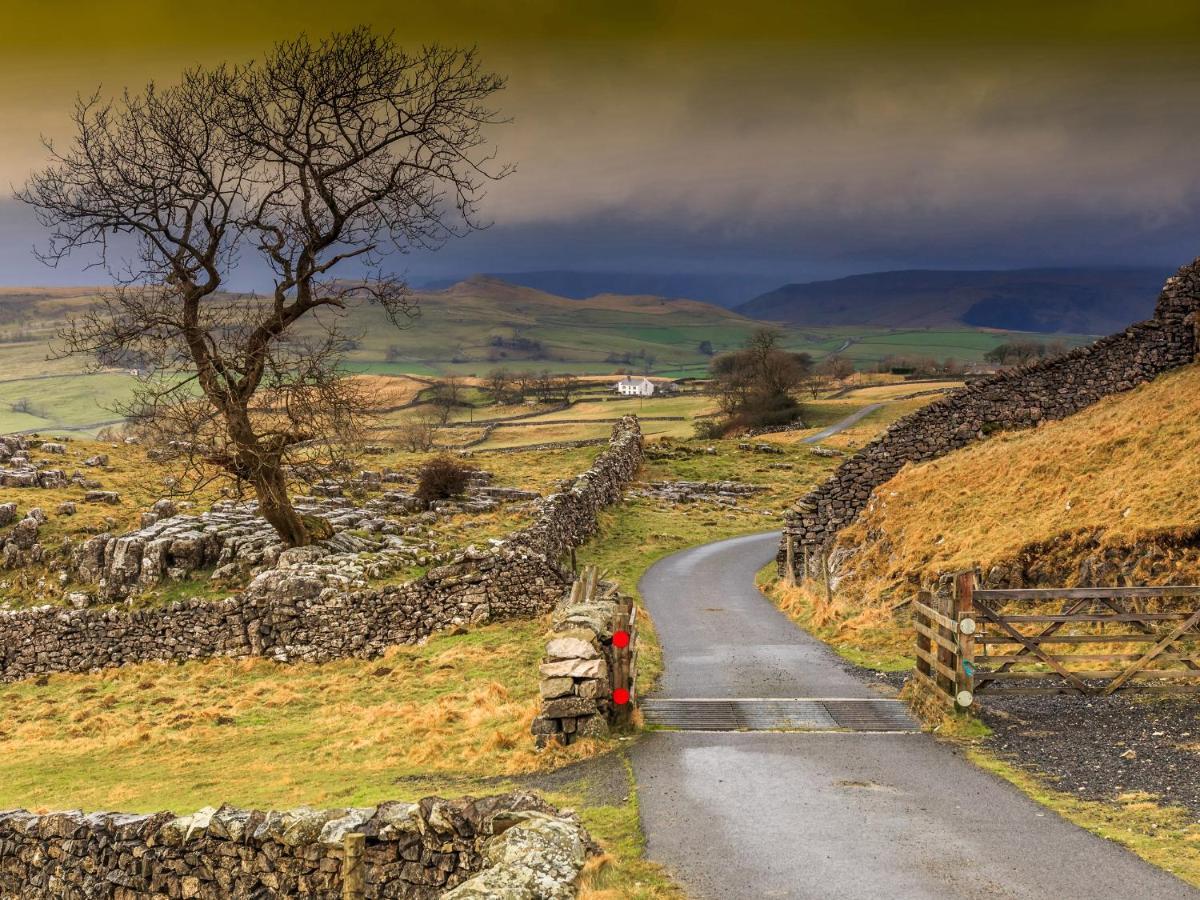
<point x="789" y="560"/>
<point x="354" y="885"/>
<point x="924" y="645"/>
<point x="964" y="615"/>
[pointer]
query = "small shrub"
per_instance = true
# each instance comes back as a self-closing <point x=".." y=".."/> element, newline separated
<point x="441" y="478"/>
<point x="710" y="429"/>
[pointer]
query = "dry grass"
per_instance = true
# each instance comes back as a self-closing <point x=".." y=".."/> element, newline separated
<point x="868" y="637"/>
<point x="1119" y="473"/>
<point x="390" y="391"/>
<point x="875" y="393"/>
<point x="257" y="733"/>
<point x="1126" y="466"/>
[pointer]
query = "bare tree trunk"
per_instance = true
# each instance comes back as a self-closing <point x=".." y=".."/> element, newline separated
<point x="270" y="485"/>
<point x="264" y="470"/>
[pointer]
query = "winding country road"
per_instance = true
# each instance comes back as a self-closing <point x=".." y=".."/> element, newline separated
<point x="831" y="814"/>
<point x="842" y="424"/>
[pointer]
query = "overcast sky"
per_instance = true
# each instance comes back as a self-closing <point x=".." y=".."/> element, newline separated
<point x="794" y="139"/>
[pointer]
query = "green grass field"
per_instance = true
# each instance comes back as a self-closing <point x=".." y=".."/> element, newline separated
<point x="78" y="401"/>
<point x="469" y="329"/>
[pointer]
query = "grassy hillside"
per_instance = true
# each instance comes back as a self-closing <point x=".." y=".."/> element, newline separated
<point x="477" y="324"/>
<point x="467" y="329"/>
<point x="1118" y="477"/>
<point x="722" y="290"/>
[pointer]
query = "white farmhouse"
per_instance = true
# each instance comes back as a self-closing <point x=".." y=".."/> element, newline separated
<point x="635" y="387"/>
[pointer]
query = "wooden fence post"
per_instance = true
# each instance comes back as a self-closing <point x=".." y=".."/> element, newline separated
<point x="622" y="670"/>
<point x="827" y="575"/>
<point x="964" y="615"/>
<point x="354" y="884"/>
<point x="924" y="644"/>
<point x="789" y="560"/>
<point x="945" y="605"/>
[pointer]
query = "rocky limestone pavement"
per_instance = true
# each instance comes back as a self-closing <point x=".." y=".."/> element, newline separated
<point x="19" y="545"/>
<point x="521" y="576"/>
<point x="235" y="542"/>
<point x="412" y="850"/>
<point x="726" y="493"/>
<point x="17" y="470"/>
<point x="760" y="448"/>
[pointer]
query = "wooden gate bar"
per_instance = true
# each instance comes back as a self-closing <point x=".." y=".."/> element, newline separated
<point x="1166" y="674"/>
<point x="1087" y="593"/>
<point x="948" y="634"/>
<point x="1033" y="648"/>
<point x="1009" y="658"/>
<point x="935" y="637"/>
<point x="1050" y="629"/>
<point x="934" y="615"/>
<point x="947" y="658"/>
<point x="1153" y="652"/>
<point x="1116" y="605"/>
<point x="1111" y="638"/>
<point x="1030" y="618"/>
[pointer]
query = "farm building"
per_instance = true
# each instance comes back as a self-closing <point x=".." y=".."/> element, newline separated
<point x="635" y="387"/>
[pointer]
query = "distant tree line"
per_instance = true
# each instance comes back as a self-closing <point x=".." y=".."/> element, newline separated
<point x="1025" y="350"/>
<point x="499" y="347"/>
<point x="546" y="387"/>
<point x="642" y="361"/>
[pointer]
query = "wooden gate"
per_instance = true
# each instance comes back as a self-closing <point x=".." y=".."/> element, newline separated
<point x="1093" y="640"/>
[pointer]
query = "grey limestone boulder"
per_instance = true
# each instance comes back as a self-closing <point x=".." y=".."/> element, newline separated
<point x="539" y="858"/>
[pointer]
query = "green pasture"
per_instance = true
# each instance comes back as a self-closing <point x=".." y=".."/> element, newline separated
<point x="66" y="402"/>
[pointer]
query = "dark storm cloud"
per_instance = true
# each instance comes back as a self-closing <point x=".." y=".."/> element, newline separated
<point x="661" y="144"/>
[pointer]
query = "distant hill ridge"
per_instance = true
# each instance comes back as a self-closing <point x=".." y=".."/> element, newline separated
<point x="1073" y="300"/>
<point x="726" y="290"/>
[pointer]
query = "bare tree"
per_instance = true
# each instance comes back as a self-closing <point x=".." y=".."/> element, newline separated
<point x="754" y="385"/>
<point x="543" y="385"/>
<point x="836" y="366"/>
<point x="418" y="431"/>
<point x="318" y="155"/>
<point x="499" y="384"/>
<point x="567" y="385"/>
<point x="815" y="384"/>
<point x="524" y="382"/>
<point x="445" y="396"/>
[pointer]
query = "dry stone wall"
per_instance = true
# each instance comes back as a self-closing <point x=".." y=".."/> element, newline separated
<point x="1018" y="398"/>
<point x="299" y="618"/>
<point x="581" y="666"/>
<point x="514" y="843"/>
